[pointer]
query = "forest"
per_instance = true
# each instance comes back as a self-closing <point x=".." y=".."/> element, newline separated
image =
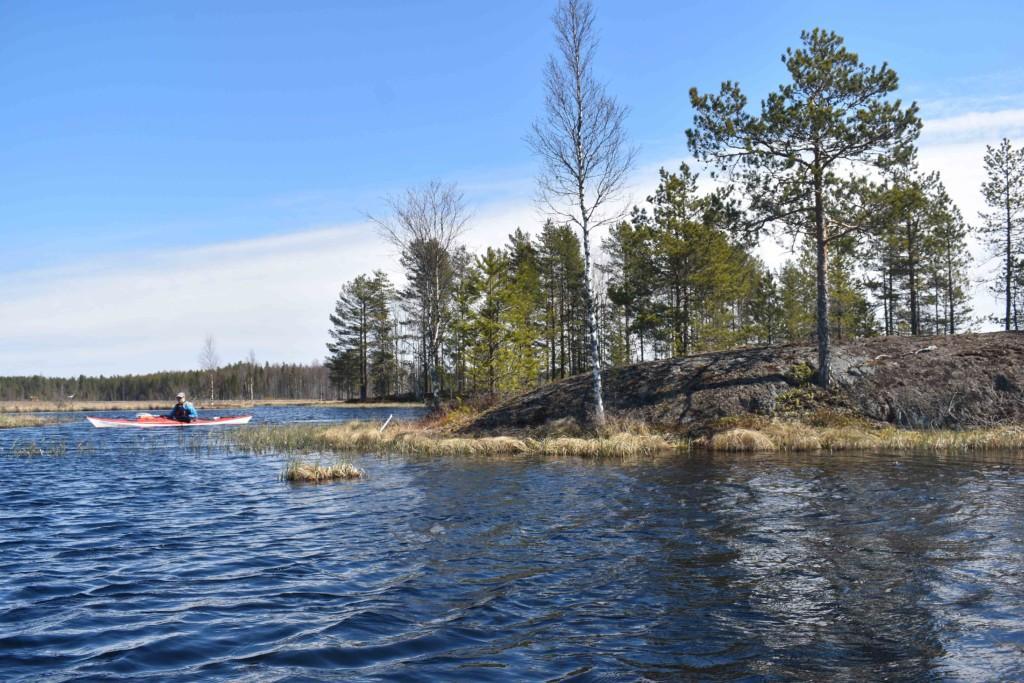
<point x="674" y="279"/>
<point x="246" y="380"/>
<point x="827" y="167"/>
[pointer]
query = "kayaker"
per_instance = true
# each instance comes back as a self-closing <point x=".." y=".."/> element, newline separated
<point x="183" y="411"/>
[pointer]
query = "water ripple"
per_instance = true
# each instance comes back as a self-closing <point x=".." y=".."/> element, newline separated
<point x="157" y="556"/>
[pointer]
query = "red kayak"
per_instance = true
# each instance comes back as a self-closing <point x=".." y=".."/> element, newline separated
<point x="150" y="421"/>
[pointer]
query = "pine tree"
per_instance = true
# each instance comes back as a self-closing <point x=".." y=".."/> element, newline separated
<point x="350" y="329"/>
<point x="383" y="354"/>
<point x="949" y="263"/>
<point x="1004" y="224"/>
<point x="631" y="281"/>
<point x="836" y="115"/>
<point x="796" y="295"/>
<point x="764" y="310"/>
<point x="488" y="280"/>
<point x="525" y="315"/>
<point x="562" y="275"/>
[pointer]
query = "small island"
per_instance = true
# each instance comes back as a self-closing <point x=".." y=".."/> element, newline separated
<point x="889" y="393"/>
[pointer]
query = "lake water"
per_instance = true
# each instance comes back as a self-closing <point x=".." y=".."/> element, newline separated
<point x="144" y="555"/>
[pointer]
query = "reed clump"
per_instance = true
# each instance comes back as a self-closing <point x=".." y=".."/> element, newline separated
<point x="8" y="421"/>
<point x="319" y="473"/>
<point x="740" y="440"/>
<point x="408" y="439"/>
<point x="791" y="436"/>
<point x="33" y="448"/>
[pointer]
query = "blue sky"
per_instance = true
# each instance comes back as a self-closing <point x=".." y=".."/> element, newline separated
<point x="132" y="128"/>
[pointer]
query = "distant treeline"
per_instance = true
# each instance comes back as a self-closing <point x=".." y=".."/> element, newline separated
<point x="238" y="381"/>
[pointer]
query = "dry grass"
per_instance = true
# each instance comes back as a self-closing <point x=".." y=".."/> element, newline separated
<point x="12" y="421"/>
<point x="69" y="406"/>
<point x="620" y="439"/>
<point x="403" y="438"/>
<point x="319" y="473"/>
<point x="740" y="440"/>
<point x="777" y="435"/>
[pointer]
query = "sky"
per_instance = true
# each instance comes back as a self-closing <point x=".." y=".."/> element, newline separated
<point x="175" y="170"/>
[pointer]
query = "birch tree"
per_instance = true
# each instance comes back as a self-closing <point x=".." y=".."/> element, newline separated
<point x="581" y="143"/>
<point x="425" y="225"/>
<point x="209" y="361"/>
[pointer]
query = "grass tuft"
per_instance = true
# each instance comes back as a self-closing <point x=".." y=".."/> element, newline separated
<point x="8" y="421"/>
<point x="778" y="435"/>
<point x="403" y="438"/>
<point x="319" y="473"/>
<point x="740" y="440"/>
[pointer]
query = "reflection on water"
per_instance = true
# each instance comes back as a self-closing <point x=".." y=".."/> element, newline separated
<point x="140" y="557"/>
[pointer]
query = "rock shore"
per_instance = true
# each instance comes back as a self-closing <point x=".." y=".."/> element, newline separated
<point x="959" y="381"/>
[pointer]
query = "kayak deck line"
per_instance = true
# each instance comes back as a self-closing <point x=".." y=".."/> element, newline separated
<point x="158" y="421"/>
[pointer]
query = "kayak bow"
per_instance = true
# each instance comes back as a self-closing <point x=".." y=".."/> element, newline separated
<point x="159" y="421"/>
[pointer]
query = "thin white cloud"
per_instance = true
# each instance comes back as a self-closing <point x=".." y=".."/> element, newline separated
<point x="973" y="126"/>
<point x="145" y="311"/>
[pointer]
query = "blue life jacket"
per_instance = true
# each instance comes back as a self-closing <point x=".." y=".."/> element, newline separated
<point x="183" y="412"/>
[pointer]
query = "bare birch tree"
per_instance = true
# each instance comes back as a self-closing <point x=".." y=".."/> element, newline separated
<point x="209" y="361"/>
<point x="581" y="142"/>
<point x="251" y="375"/>
<point x="425" y="225"/>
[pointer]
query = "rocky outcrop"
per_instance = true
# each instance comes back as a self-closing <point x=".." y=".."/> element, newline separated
<point x="921" y="382"/>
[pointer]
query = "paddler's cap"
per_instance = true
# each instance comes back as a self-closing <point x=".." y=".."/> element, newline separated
<point x="181" y="394"/>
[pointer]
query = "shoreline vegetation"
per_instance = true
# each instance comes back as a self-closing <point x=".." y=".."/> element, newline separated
<point x="622" y="439"/>
<point x="43" y="406"/>
<point x="432" y="438"/>
<point x="13" y="421"/>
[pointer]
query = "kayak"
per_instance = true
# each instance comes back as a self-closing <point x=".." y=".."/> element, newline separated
<point x="152" y="421"/>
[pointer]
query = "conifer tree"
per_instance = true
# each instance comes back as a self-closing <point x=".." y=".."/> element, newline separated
<point x="796" y="299"/>
<point x="525" y="314"/>
<point x="562" y="278"/>
<point x="834" y="117"/>
<point x="765" y="309"/>
<point x="1004" y="223"/>
<point x="631" y="281"/>
<point x="360" y="326"/>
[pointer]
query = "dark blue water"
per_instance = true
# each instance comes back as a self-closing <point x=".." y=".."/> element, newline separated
<point x="144" y="555"/>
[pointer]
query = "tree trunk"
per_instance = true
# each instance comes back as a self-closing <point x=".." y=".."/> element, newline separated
<point x="950" y="300"/>
<point x="1009" y="259"/>
<point x="363" y="352"/>
<point x="915" y="314"/>
<point x="561" y="336"/>
<point x="686" y="322"/>
<point x="821" y="242"/>
<point x="595" y="360"/>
